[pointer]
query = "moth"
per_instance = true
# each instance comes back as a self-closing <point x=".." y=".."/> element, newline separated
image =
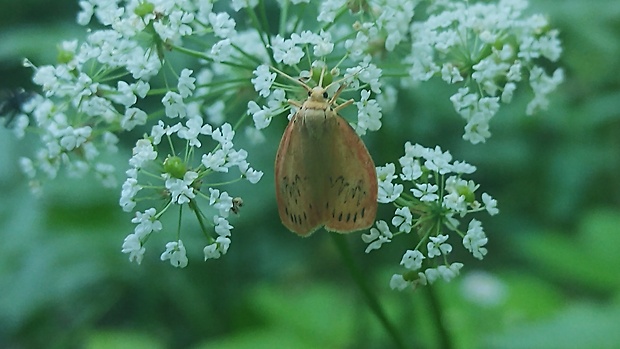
<point x="324" y="175"/>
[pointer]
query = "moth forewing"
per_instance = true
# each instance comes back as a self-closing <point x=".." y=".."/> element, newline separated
<point x="324" y="173"/>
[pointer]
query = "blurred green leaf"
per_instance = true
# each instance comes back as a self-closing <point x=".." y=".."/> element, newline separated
<point x="579" y="326"/>
<point x="122" y="340"/>
<point x="584" y="259"/>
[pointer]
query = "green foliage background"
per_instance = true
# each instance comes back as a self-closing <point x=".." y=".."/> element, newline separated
<point x="65" y="284"/>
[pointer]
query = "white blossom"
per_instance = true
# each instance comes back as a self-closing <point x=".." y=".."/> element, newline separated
<point x="377" y="236"/>
<point x="175" y="252"/>
<point x="475" y="239"/>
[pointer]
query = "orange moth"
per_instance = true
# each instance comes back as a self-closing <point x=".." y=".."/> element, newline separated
<point x="324" y="174"/>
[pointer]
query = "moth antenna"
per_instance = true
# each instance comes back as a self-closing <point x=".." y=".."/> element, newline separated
<point x="337" y="93"/>
<point x="291" y="78"/>
<point x="342" y="87"/>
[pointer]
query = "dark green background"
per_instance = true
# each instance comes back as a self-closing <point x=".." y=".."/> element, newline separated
<point x="555" y="246"/>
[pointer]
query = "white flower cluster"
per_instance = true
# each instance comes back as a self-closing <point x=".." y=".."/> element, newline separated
<point x="488" y="48"/>
<point x="437" y="198"/>
<point x="183" y="186"/>
<point x="77" y="96"/>
<point x="389" y="25"/>
<point x="179" y="73"/>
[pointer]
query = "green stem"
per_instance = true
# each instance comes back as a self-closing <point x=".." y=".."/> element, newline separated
<point x="442" y="331"/>
<point x="369" y="296"/>
<point x="201" y="55"/>
<point x="283" y="17"/>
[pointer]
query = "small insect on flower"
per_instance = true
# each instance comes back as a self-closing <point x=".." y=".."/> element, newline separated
<point x="237" y="203"/>
<point x="11" y="102"/>
<point x="324" y="174"/>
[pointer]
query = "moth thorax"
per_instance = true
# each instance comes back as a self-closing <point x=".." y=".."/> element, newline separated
<point x="318" y="121"/>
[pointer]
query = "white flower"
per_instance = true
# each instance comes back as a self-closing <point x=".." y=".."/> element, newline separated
<point x="438" y="161"/>
<point x="142" y="152"/>
<point x="285" y="51"/>
<point x="438" y="246"/>
<point x="215" y="161"/>
<point x="388" y="191"/>
<point x="403" y="219"/>
<point x="410" y="168"/>
<point x="129" y="190"/>
<point x="224" y="135"/>
<point x="262" y="81"/>
<point x="147" y="223"/>
<point x="134" y="248"/>
<point x="74" y="137"/>
<point x="211" y="251"/>
<point x="329" y="9"/>
<point x="180" y="190"/>
<point x="368" y="114"/>
<point x="490" y="204"/>
<point x="430" y="275"/>
<point x="358" y="46"/>
<point x="449" y="273"/>
<point x="252" y="175"/>
<point x="27" y="167"/>
<point x="323" y="44"/>
<point x="261" y="116"/>
<point x="398" y="282"/>
<point x="377" y="236"/>
<point x="220" y="201"/>
<point x="475" y="239"/>
<point x="186" y="83"/>
<point x="450" y="73"/>
<point x="223" y="243"/>
<point x="192" y="129"/>
<point x="222" y="226"/>
<point x="175" y="252"/>
<point x="223" y="25"/>
<point x="174" y="105"/>
<point x="142" y="64"/>
<point x="542" y="85"/>
<point x="426" y="192"/>
<point x="86" y="12"/>
<point x="239" y="4"/>
<point x="501" y="40"/>
<point x="412" y="260"/>
<point x="132" y="118"/>
<point x="221" y="50"/>
<point x="455" y="202"/>
<point x="125" y="95"/>
<point x="365" y="72"/>
<point x="236" y="158"/>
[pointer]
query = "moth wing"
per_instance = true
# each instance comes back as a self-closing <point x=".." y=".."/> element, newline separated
<point x="351" y="188"/>
<point x="294" y="185"/>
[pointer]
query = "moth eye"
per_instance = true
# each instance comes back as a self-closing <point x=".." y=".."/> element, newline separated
<point x="309" y="93"/>
<point x="325" y="95"/>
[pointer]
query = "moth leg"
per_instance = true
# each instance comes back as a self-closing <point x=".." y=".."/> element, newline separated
<point x="343" y="105"/>
<point x="336" y="94"/>
<point x="297" y="104"/>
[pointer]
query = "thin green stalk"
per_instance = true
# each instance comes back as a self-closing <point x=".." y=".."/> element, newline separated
<point x="369" y="296"/>
<point x="436" y="313"/>
<point x="283" y="17"/>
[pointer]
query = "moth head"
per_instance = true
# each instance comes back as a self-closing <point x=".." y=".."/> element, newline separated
<point x="318" y="94"/>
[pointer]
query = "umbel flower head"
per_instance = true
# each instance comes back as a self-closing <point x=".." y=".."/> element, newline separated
<point x="186" y="82"/>
<point x="487" y="49"/>
<point x="431" y="198"/>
